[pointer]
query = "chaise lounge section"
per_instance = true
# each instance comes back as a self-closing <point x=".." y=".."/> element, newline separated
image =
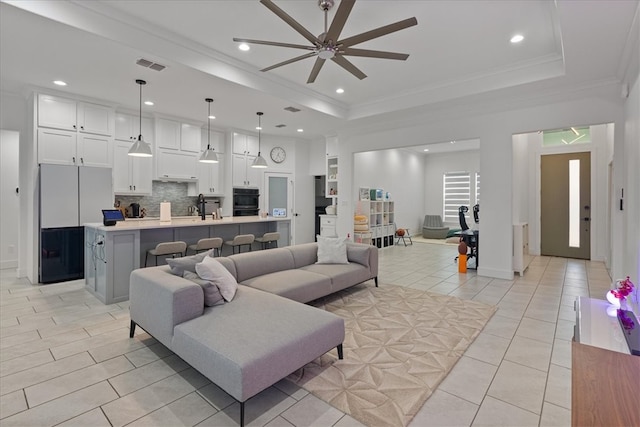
<point x="263" y="334"/>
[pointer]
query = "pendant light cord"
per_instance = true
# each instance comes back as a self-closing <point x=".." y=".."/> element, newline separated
<point x="140" y="115"/>
<point x="209" y="127"/>
<point x="259" y="131"/>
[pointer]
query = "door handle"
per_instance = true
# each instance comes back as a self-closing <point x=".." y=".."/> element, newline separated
<point x="586" y="218"/>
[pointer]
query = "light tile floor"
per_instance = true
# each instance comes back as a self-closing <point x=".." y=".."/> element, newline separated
<point x="66" y="359"/>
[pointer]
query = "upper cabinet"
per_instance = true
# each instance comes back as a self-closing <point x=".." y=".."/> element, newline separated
<point x="173" y="135"/>
<point x="245" y="144"/>
<point x="68" y="114"/>
<point x="128" y="128"/>
<point x="216" y="140"/>
<point x="72" y="132"/>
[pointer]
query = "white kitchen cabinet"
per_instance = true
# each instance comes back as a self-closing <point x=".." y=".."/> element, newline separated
<point x="68" y="114"/>
<point x="176" y="164"/>
<point x="332" y="178"/>
<point x="128" y="127"/>
<point x="190" y="137"/>
<point x="174" y="135"/>
<point x="216" y="139"/>
<point x="242" y="172"/>
<point x="211" y="178"/>
<point x="63" y="147"/>
<point x="131" y="175"/>
<point x="245" y="144"/>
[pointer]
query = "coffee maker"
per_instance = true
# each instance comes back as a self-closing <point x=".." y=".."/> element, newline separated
<point x="135" y="210"/>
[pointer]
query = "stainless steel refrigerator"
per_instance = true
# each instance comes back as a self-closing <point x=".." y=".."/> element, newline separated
<point x="70" y="196"/>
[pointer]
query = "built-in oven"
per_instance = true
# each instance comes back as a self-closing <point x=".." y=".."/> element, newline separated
<point x="246" y="201"/>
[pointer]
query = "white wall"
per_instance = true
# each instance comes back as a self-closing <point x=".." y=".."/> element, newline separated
<point x="631" y="230"/>
<point x="494" y="126"/>
<point x="521" y="174"/>
<point x="435" y="166"/>
<point x="10" y="206"/>
<point x="399" y="172"/>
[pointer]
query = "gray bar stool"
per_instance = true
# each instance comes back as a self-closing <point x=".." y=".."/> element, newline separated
<point x="268" y="238"/>
<point x="214" y="243"/>
<point x="239" y="241"/>
<point x="166" y="248"/>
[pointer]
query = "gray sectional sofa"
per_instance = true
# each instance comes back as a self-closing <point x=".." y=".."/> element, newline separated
<point x="263" y="334"/>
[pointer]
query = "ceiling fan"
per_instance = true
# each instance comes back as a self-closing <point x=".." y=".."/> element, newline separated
<point x="327" y="45"/>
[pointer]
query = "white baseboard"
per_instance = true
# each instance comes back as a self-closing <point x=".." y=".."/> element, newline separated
<point x="495" y="273"/>
<point x="11" y="263"/>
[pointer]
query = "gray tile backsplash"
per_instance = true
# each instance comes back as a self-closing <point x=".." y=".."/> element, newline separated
<point x="174" y="192"/>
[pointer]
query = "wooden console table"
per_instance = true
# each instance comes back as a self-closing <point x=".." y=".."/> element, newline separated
<point x="605" y="387"/>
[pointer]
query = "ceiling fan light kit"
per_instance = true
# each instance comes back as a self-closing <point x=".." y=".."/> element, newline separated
<point x="209" y="155"/>
<point x="140" y="148"/>
<point x="328" y="45"/>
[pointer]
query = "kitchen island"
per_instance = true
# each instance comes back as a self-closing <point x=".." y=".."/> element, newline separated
<point x="113" y="252"/>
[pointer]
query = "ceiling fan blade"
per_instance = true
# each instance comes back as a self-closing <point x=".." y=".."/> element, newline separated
<point x="344" y="63"/>
<point x="374" y="54"/>
<point x="290" y="61"/>
<point x="268" y="43"/>
<point x="339" y="20"/>
<point x="292" y="22"/>
<point x="315" y="70"/>
<point x="378" y="32"/>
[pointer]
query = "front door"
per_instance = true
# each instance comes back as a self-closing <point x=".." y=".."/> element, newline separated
<point x="565" y="205"/>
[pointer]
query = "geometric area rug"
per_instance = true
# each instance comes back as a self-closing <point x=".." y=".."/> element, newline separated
<point x="400" y="344"/>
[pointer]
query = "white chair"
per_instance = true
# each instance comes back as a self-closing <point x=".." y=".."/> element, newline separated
<point x="268" y="238"/>
<point x="239" y="241"/>
<point x="214" y="243"/>
<point x="166" y="248"/>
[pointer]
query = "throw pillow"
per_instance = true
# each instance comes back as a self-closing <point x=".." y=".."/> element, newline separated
<point x="212" y="294"/>
<point x="332" y="250"/>
<point x="358" y="253"/>
<point x="211" y="269"/>
<point x="186" y="263"/>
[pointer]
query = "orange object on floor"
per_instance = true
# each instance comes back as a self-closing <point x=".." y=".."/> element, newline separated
<point x="462" y="263"/>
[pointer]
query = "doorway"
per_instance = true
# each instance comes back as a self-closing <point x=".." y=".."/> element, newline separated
<point x="565" y="208"/>
<point x="279" y="203"/>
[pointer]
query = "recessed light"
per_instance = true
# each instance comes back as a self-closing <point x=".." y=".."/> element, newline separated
<point x="59" y="83"/>
<point x="517" y="38"/>
<point x="148" y="103"/>
<point x="244" y="47"/>
<point x="453" y="142"/>
<point x="258" y="128"/>
<point x="339" y="90"/>
<point x="426" y="149"/>
<point x="300" y="130"/>
<point x="212" y="117"/>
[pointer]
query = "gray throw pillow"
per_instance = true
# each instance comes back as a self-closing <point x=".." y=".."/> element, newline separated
<point x="358" y="253"/>
<point x="186" y="263"/>
<point x="212" y="294"/>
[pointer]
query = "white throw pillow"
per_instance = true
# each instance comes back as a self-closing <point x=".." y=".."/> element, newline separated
<point x="211" y="269"/>
<point x="332" y="250"/>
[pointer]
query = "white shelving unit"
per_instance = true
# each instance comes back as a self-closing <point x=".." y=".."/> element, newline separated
<point x="381" y="222"/>
<point x="521" y="257"/>
<point x="332" y="179"/>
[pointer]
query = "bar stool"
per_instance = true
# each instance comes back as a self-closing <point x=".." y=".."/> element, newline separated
<point x="268" y="238"/>
<point x="166" y="248"/>
<point x="214" y="243"/>
<point x="239" y="241"/>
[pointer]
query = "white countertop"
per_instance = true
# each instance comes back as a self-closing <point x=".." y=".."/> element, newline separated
<point x="180" y="221"/>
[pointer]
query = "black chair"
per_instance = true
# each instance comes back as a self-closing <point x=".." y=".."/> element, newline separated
<point x="476" y="213"/>
<point x="469" y="237"/>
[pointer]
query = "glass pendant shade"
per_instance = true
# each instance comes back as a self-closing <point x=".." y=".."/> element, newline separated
<point x="140" y="148"/>
<point x="259" y="162"/>
<point x="208" y="155"/>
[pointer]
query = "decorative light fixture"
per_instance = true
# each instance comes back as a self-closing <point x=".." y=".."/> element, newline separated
<point x="259" y="161"/>
<point x="140" y="148"/>
<point x="209" y="155"/>
<point x="517" y="38"/>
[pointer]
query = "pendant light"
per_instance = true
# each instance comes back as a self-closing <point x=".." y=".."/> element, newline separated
<point x="209" y="155"/>
<point x="259" y="162"/>
<point x="140" y="148"/>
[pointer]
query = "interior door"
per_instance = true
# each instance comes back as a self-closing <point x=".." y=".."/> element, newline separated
<point x="565" y="205"/>
<point x="278" y="201"/>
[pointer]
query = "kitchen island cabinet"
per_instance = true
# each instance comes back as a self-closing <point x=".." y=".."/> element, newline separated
<point x="112" y="253"/>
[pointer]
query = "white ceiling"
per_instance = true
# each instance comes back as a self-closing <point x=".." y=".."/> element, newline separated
<point x="459" y="48"/>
